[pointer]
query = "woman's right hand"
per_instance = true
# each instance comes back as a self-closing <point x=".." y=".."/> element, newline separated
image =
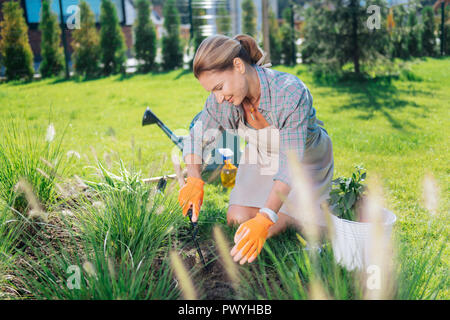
<point x="191" y="195"/>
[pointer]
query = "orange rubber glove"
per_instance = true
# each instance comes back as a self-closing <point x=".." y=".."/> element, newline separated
<point x="250" y="238"/>
<point x="191" y="194"/>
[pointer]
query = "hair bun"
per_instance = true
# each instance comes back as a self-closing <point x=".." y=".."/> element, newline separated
<point x="218" y="52"/>
<point x="256" y="54"/>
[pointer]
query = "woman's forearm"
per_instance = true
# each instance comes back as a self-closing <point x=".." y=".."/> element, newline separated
<point x="193" y="165"/>
<point x="278" y="194"/>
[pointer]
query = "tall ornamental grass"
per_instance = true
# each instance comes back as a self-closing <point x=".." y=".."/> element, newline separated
<point x="290" y="270"/>
<point x="34" y="154"/>
<point x="7" y="235"/>
<point x="306" y="269"/>
<point x="113" y="244"/>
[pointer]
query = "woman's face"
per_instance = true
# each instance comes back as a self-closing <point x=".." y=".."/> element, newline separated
<point x="230" y="85"/>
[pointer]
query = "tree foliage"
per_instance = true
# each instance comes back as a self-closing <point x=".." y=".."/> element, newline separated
<point x="337" y="33"/>
<point x="223" y="21"/>
<point x="428" y="35"/>
<point x="172" y="50"/>
<point x="399" y="33"/>
<point x="86" y="44"/>
<point x="274" y="39"/>
<point x="145" y="37"/>
<point x="249" y="18"/>
<point x="198" y="22"/>
<point x="287" y="37"/>
<point x="112" y="40"/>
<point x="51" y="51"/>
<point x="414" y="34"/>
<point x="17" y="56"/>
<point x="446" y="30"/>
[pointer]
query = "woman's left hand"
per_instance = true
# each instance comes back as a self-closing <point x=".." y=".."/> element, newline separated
<point x="250" y="238"/>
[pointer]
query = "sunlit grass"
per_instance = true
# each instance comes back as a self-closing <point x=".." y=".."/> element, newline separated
<point x="114" y="246"/>
<point x="396" y="128"/>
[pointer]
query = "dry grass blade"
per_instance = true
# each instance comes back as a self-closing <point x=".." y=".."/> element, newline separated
<point x="301" y="240"/>
<point x="50" y="135"/>
<point x="33" y="202"/>
<point x="94" y="153"/>
<point x="90" y="269"/>
<point x="49" y="164"/>
<point x="139" y="154"/>
<point x="43" y="173"/>
<point x="80" y="182"/>
<point x="62" y="191"/>
<point x="177" y="167"/>
<point x="133" y="144"/>
<point x="379" y="281"/>
<point x="307" y="211"/>
<point x="187" y="287"/>
<point x="214" y="175"/>
<point x="73" y="153"/>
<point x="316" y="291"/>
<point x="331" y="232"/>
<point x="108" y="160"/>
<point x="111" y="268"/>
<point x="229" y="264"/>
<point x="430" y="193"/>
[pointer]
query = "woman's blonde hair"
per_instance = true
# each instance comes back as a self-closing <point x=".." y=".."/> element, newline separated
<point x="218" y="52"/>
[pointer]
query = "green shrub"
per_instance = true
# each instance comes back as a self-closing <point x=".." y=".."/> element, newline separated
<point x="118" y="238"/>
<point x="145" y="37"/>
<point x="172" y="53"/>
<point x="249" y="18"/>
<point x="7" y="235"/>
<point x="274" y="39"/>
<point x="346" y="193"/>
<point x="223" y="21"/>
<point x="446" y="29"/>
<point x="337" y="33"/>
<point x="428" y="36"/>
<point x="26" y="154"/>
<point x="198" y="36"/>
<point x="289" y="270"/>
<point x="15" y="50"/>
<point x="52" y="55"/>
<point x="400" y="34"/>
<point x="112" y="40"/>
<point x="414" y="34"/>
<point x="86" y="44"/>
<point x="287" y="37"/>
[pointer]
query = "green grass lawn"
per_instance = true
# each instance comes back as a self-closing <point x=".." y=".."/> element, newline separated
<point x="397" y="129"/>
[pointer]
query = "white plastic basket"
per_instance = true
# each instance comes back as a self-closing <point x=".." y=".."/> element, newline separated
<point x="351" y="240"/>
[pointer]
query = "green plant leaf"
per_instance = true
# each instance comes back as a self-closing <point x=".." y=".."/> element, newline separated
<point x="349" y="200"/>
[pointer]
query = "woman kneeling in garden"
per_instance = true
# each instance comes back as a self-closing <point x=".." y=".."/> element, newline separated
<point x="273" y="112"/>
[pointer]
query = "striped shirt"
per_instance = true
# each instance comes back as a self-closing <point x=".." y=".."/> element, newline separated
<point x="284" y="96"/>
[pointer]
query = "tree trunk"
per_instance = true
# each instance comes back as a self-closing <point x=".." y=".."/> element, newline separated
<point x="355" y="5"/>
<point x="265" y="21"/>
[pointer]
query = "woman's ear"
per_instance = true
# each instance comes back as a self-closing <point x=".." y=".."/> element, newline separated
<point x="239" y="65"/>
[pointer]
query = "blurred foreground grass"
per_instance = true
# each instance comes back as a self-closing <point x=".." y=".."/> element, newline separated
<point x="396" y="127"/>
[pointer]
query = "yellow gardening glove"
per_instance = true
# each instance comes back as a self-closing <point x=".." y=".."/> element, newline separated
<point x="250" y="238"/>
<point x="191" y="194"/>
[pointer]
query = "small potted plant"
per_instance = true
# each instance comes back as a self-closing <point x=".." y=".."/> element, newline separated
<point x="347" y="194"/>
<point x="351" y="227"/>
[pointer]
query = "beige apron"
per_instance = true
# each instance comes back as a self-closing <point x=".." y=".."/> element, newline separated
<point x="259" y="164"/>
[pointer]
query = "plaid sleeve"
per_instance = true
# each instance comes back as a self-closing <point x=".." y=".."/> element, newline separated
<point x="293" y="132"/>
<point x="205" y="130"/>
